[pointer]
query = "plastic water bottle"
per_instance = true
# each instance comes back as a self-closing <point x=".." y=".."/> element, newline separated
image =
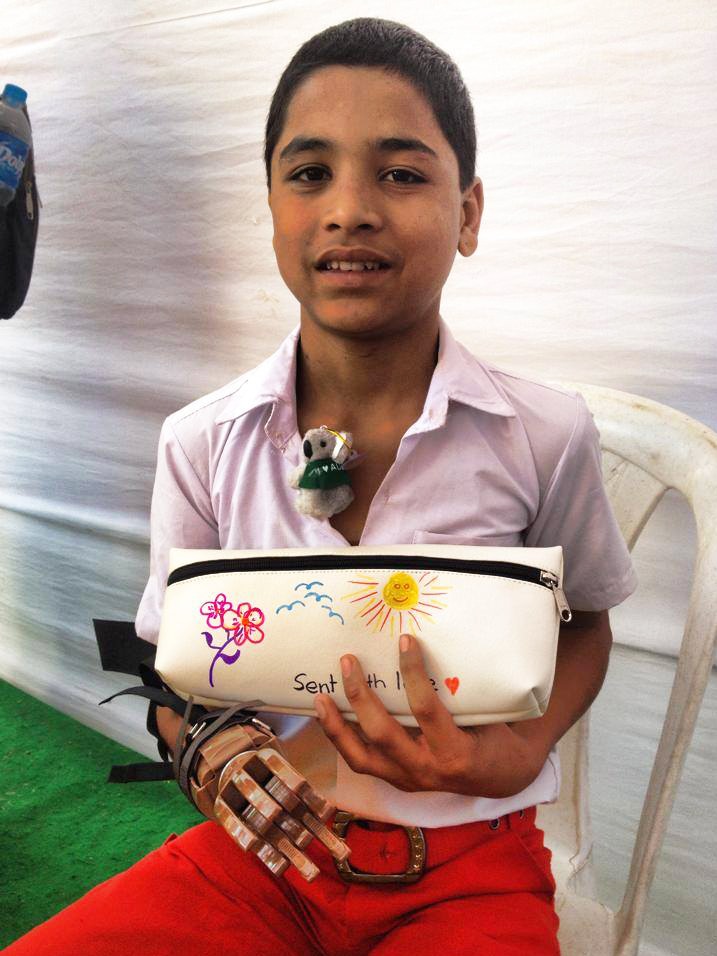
<point x="15" y="141"/>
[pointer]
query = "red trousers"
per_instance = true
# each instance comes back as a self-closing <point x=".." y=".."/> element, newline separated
<point x="484" y="892"/>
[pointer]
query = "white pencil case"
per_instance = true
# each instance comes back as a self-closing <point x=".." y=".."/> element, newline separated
<point x="272" y="625"/>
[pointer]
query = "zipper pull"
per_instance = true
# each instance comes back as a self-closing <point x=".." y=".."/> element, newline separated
<point x="28" y="201"/>
<point x="561" y="601"/>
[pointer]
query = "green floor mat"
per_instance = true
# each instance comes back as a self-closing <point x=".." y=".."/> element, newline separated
<point x="63" y="829"/>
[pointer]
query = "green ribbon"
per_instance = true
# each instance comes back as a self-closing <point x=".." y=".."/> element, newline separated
<point x="323" y="473"/>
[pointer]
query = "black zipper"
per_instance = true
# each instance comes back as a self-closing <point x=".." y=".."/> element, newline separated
<point x="331" y="562"/>
<point x="335" y="562"/>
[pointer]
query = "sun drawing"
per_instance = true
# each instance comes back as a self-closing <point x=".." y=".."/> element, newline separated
<point x="403" y="603"/>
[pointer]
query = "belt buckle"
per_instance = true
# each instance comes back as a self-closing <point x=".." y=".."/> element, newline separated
<point x="416" y="864"/>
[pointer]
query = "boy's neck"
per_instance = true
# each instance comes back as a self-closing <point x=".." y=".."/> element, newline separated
<point x="350" y="380"/>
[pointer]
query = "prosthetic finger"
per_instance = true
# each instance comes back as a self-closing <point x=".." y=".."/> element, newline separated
<point x="266" y="805"/>
<point x="296" y="794"/>
<point x="253" y="818"/>
<point x="235" y="774"/>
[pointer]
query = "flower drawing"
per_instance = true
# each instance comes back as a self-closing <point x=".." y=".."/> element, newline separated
<point x="251" y="620"/>
<point x="215" y="610"/>
<point x="241" y="623"/>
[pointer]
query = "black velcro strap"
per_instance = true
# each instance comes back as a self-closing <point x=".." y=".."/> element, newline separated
<point x="161" y="769"/>
<point x="120" y="648"/>
<point x="165" y="698"/>
<point x="141" y="772"/>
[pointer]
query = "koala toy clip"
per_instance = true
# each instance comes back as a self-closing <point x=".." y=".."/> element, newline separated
<point x="323" y="485"/>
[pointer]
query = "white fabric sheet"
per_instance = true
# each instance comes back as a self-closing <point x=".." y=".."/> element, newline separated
<point x="155" y="280"/>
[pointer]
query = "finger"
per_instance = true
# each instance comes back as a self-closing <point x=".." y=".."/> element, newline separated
<point x="362" y="757"/>
<point x="433" y="717"/>
<point x="255" y="796"/>
<point x="379" y="727"/>
<point x="260" y="814"/>
<point x="279" y="841"/>
<point x="306" y="811"/>
<point x="333" y="843"/>
<point x="304" y="804"/>
<point x="262" y="811"/>
<point x="248" y="840"/>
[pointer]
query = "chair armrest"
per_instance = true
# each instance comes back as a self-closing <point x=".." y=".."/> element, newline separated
<point x="691" y="676"/>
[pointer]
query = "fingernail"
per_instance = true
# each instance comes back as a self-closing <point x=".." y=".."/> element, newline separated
<point x="404" y="643"/>
<point x="320" y="708"/>
<point x="346" y="666"/>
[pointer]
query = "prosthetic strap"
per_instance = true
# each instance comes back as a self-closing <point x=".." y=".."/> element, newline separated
<point x="209" y="742"/>
<point x="122" y="651"/>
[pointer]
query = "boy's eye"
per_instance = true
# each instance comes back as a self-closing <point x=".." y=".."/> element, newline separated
<point x="307" y="169"/>
<point x="407" y="172"/>
<point x="297" y="176"/>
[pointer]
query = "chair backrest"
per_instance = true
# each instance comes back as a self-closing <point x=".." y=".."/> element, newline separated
<point x="648" y="448"/>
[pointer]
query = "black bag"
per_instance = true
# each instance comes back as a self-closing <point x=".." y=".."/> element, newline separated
<point x="19" y="221"/>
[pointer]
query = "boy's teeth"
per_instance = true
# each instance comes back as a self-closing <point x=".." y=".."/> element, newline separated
<point x="344" y="266"/>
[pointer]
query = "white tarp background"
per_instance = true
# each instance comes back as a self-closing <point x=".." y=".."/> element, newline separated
<point x="155" y="279"/>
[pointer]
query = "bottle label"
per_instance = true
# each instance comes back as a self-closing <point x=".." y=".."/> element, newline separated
<point x="13" y="153"/>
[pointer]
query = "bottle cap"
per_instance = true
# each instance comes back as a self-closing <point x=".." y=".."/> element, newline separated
<point x="14" y="95"/>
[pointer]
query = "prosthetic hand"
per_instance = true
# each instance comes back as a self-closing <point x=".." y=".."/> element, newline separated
<point x="233" y="769"/>
<point x="229" y="764"/>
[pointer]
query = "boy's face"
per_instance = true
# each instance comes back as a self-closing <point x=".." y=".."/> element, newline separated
<point x="353" y="194"/>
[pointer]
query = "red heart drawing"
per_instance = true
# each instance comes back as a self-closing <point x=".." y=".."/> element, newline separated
<point x="452" y="684"/>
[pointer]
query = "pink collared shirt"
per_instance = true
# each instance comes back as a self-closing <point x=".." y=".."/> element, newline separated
<point x="494" y="459"/>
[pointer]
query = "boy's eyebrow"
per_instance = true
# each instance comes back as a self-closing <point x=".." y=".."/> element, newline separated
<point x="389" y="144"/>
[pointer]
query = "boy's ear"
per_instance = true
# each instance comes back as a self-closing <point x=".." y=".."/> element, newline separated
<point x="471" y="215"/>
<point x="273" y="234"/>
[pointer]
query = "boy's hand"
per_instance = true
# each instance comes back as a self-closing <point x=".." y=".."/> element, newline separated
<point x="492" y="760"/>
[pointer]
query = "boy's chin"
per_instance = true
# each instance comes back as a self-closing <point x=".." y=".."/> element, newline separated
<point x="356" y="325"/>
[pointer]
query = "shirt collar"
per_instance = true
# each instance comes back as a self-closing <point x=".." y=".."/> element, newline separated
<point x="458" y="376"/>
<point x="272" y="381"/>
<point x="461" y="377"/>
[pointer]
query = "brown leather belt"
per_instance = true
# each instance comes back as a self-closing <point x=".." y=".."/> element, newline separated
<point x="416" y="864"/>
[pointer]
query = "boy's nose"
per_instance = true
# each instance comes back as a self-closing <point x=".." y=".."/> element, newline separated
<point x="351" y="205"/>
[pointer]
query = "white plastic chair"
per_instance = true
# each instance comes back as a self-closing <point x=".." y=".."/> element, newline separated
<point x="647" y="449"/>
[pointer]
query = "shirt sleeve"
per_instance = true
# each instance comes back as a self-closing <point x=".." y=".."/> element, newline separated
<point x="181" y="517"/>
<point x="576" y="514"/>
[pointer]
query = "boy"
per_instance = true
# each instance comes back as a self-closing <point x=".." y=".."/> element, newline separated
<point x="370" y="154"/>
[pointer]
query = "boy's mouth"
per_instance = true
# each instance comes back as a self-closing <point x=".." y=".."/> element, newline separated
<point x="343" y="266"/>
<point x="353" y="275"/>
<point x="352" y="260"/>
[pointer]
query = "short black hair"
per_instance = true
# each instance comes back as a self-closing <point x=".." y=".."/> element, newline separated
<point x="396" y="48"/>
